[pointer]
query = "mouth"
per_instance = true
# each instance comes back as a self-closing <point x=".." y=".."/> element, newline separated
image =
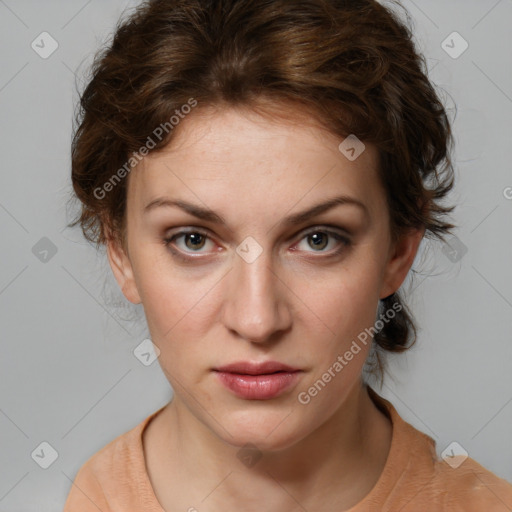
<point x="250" y="368"/>
<point x="258" y="381"/>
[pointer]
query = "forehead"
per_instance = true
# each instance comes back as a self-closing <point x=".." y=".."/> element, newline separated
<point x="232" y="155"/>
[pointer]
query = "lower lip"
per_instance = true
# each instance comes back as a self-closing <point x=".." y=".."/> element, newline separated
<point x="259" y="387"/>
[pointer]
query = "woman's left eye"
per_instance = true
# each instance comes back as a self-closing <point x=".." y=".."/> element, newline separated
<point x="319" y="240"/>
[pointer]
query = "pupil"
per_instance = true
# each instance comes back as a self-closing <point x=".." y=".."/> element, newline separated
<point x="319" y="239"/>
<point x="196" y="240"/>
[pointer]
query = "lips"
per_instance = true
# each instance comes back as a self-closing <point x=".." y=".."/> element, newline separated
<point x="258" y="381"/>
<point x="250" y="368"/>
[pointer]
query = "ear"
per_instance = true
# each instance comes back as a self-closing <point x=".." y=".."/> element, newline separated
<point x="123" y="272"/>
<point x="401" y="258"/>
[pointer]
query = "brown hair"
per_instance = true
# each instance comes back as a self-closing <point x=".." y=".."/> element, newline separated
<point x="350" y="64"/>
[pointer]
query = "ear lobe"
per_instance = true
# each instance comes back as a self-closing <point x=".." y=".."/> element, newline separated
<point x="123" y="272"/>
<point x="401" y="259"/>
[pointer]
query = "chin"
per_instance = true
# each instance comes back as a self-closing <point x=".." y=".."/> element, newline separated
<point x="267" y="431"/>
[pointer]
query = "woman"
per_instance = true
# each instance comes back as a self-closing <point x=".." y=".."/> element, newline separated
<point x="262" y="173"/>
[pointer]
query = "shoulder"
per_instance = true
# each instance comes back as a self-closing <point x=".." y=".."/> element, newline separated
<point x="111" y="478"/>
<point x="417" y="478"/>
<point x="471" y="487"/>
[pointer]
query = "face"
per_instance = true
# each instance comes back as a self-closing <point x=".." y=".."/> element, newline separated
<point x="235" y="259"/>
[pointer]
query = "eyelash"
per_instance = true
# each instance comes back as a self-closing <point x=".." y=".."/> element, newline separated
<point x="344" y="241"/>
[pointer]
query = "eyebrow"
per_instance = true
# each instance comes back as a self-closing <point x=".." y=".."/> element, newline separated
<point x="209" y="215"/>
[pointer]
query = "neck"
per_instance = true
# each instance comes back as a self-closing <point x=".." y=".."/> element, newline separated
<point x="338" y="463"/>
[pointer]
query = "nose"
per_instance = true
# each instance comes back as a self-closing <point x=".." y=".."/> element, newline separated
<point x="255" y="305"/>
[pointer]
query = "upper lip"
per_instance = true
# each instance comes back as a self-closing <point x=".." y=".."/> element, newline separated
<point x="250" y="368"/>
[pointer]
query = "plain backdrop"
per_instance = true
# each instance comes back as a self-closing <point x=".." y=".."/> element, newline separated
<point x="70" y="381"/>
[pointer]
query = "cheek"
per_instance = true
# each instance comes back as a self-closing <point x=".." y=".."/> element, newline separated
<point x="167" y="292"/>
<point x="177" y="310"/>
<point x="343" y="302"/>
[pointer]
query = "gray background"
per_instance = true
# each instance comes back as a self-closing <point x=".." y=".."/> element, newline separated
<point x="68" y="373"/>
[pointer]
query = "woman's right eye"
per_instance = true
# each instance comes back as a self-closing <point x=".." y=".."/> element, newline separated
<point x="188" y="241"/>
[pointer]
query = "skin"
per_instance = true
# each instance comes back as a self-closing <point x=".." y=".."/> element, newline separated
<point x="298" y="303"/>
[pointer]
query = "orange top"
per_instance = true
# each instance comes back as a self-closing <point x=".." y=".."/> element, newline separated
<point x="414" y="478"/>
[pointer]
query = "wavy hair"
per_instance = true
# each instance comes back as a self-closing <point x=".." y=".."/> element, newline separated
<point x="351" y="65"/>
